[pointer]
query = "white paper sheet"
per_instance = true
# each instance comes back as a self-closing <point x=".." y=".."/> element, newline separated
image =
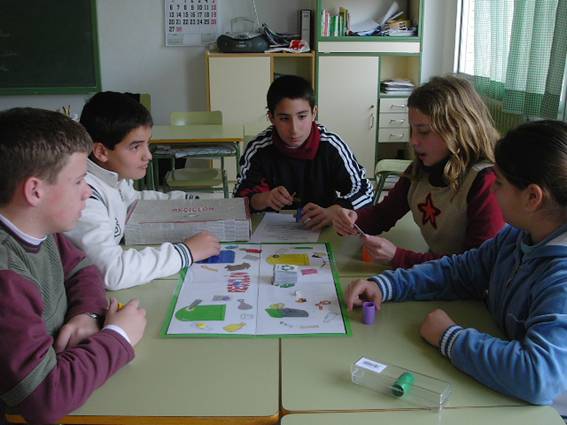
<point x="276" y="227"/>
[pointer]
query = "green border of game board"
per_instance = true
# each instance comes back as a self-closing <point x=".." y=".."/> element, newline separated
<point x="338" y="289"/>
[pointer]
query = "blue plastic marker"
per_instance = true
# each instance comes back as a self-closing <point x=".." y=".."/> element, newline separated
<point x="298" y="214"/>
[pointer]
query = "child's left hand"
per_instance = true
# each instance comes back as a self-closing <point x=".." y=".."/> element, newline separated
<point x="315" y="217"/>
<point x="379" y="249"/>
<point x="74" y="331"/>
<point x="434" y="325"/>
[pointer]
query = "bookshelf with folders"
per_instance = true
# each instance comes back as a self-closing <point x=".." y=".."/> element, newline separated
<point x="368" y="61"/>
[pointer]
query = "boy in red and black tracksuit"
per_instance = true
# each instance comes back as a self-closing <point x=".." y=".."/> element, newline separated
<point x="298" y="163"/>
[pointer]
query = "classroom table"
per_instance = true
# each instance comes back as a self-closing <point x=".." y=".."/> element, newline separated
<point x="528" y="415"/>
<point x="315" y="372"/>
<point x="180" y="135"/>
<point x="186" y="380"/>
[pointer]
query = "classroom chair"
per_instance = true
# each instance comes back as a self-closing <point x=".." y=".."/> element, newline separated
<point x="385" y="168"/>
<point x="195" y="176"/>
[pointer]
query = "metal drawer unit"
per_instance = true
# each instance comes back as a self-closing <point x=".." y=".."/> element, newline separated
<point x="393" y="125"/>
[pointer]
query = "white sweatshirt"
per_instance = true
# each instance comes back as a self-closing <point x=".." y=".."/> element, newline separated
<point x="101" y="228"/>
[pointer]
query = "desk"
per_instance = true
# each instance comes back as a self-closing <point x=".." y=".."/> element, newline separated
<point x="173" y="135"/>
<point x="315" y="372"/>
<point x="190" y="381"/>
<point x="529" y="415"/>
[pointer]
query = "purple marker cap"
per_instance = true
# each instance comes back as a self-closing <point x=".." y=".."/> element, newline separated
<point x="368" y="312"/>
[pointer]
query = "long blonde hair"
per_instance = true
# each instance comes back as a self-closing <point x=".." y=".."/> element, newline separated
<point x="461" y="119"/>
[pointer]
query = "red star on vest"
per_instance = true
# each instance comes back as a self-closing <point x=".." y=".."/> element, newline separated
<point x="429" y="211"/>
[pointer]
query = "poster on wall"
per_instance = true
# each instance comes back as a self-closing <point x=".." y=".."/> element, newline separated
<point x="190" y="22"/>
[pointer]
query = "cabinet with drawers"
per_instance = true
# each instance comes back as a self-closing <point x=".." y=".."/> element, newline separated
<point x="349" y="72"/>
<point x="393" y="133"/>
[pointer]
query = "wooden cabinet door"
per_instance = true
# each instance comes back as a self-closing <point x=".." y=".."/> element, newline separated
<point x="238" y="87"/>
<point x="347" y="99"/>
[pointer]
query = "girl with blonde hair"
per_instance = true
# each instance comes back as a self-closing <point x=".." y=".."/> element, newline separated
<point x="448" y="185"/>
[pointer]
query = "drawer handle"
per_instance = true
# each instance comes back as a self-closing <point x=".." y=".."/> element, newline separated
<point x="399" y="107"/>
<point x="395" y="136"/>
<point x="397" y="121"/>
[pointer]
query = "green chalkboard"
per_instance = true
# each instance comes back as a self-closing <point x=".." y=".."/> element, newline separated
<point x="48" y="46"/>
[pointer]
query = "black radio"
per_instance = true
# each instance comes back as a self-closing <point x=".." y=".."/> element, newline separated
<point x="242" y="43"/>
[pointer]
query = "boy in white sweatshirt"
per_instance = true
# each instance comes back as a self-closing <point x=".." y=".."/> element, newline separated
<point x="121" y="129"/>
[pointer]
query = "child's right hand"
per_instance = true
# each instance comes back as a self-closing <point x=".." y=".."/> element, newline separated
<point x="362" y="290"/>
<point x="203" y="245"/>
<point x="276" y="199"/>
<point x="131" y="318"/>
<point x="343" y="222"/>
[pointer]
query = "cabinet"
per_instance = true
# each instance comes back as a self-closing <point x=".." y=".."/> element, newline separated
<point x="237" y="84"/>
<point x="348" y="106"/>
<point x="350" y="69"/>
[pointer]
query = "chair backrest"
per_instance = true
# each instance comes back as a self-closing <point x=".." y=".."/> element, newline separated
<point x="391" y="166"/>
<point x="195" y="117"/>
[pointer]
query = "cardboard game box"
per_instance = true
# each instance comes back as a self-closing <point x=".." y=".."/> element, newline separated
<point x="154" y="222"/>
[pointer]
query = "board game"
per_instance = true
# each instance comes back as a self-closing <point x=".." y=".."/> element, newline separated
<point x="237" y="294"/>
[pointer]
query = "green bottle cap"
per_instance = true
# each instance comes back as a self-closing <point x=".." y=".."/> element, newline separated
<point x="403" y="384"/>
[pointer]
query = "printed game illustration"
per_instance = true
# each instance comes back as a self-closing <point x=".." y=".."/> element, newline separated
<point x="259" y="289"/>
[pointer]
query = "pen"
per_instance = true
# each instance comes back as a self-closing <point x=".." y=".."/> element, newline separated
<point x="359" y="231"/>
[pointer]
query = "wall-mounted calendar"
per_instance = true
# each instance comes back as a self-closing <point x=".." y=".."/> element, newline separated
<point x="190" y="22"/>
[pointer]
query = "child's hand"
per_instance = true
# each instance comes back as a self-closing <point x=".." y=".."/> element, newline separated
<point x="315" y="217"/>
<point x="434" y="325"/>
<point x="362" y="290"/>
<point x="131" y="318"/>
<point x="379" y="249"/>
<point x="203" y="245"/>
<point x="343" y="221"/>
<point x="276" y="199"/>
<point x="77" y="329"/>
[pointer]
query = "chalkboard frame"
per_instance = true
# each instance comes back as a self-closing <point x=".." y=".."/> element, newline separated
<point x="79" y="89"/>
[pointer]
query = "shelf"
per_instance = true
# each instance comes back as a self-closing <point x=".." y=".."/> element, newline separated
<point x="310" y="54"/>
<point x="369" y="38"/>
<point x="376" y="45"/>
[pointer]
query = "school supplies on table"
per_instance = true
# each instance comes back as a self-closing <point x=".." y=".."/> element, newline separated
<point x="260" y="290"/>
<point x="153" y="222"/>
<point x="409" y="387"/>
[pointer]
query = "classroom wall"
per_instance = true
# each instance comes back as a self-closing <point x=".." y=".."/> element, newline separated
<point x="133" y="57"/>
<point x="440" y="22"/>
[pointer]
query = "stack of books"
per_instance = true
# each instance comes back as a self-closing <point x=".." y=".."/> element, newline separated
<point x="335" y="24"/>
<point x="397" y="86"/>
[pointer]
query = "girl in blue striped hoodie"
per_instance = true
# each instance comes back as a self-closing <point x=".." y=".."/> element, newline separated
<point x="521" y="274"/>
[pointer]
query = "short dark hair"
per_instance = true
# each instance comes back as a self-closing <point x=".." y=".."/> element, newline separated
<point x="36" y="142"/>
<point x="109" y="116"/>
<point x="290" y="87"/>
<point x="536" y="153"/>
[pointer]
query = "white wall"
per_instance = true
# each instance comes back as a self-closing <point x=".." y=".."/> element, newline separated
<point x="133" y="57"/>
<point x="440" y="18"/>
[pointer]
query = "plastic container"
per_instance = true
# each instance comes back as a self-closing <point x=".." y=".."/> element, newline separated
<point x="404" y="384"/>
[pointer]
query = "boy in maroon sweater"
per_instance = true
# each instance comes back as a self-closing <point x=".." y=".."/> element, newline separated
<point x="60" y="339"/>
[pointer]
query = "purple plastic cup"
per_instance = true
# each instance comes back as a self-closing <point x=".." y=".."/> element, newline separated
<point x="368" y="312"/>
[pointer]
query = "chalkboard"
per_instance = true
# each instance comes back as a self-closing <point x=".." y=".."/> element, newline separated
<point x="48" y="46"/>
